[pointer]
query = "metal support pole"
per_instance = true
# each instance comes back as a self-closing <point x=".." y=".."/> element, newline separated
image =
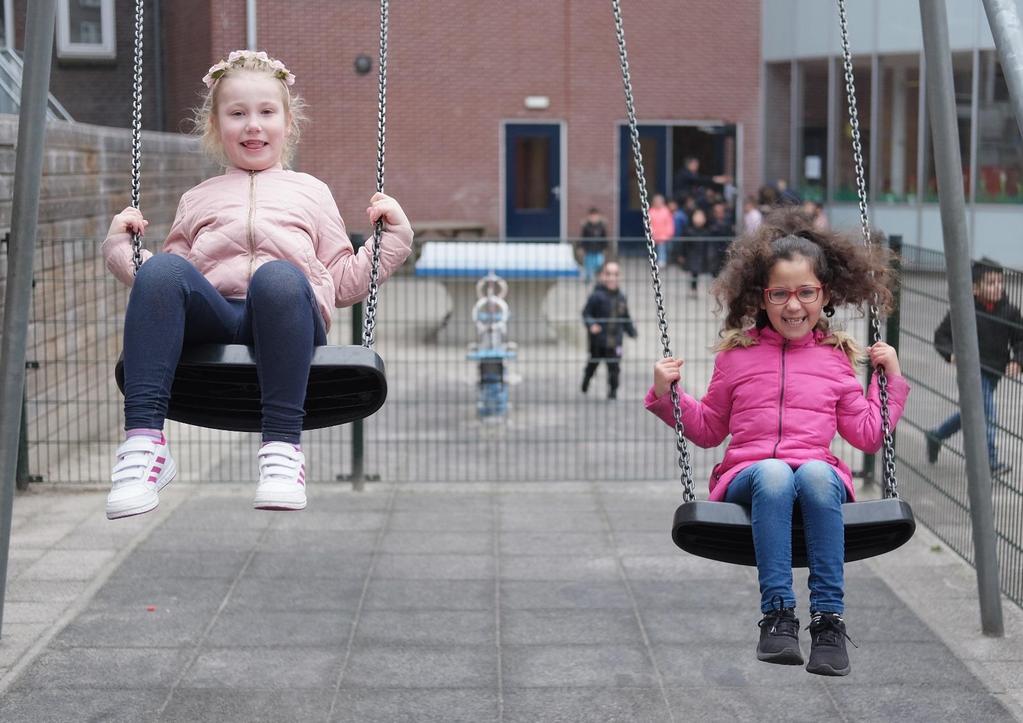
<point x="358" y="476"/>
<point x="891" y="336"/>
<point x="1003" y="17"/>
<point x="28" y="170"/>
<point x="948" y="165"/>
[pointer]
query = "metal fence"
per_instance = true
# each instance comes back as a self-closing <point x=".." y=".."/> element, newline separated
<point x="444" y="419"/>
<point x="938" y="492"/>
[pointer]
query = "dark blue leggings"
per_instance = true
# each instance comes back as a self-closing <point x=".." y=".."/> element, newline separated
<point x="172" y="306"/>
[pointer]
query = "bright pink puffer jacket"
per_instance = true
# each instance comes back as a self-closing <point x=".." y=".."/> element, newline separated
<point x="230" y="225"/>
<point x="783" y="399"/>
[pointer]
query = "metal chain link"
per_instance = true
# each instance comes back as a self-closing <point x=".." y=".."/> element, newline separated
<point x="370" y="318"/>
<point x="136" y="134"/>
<point x="685" y="467"/>
<point x="889" y="481"/>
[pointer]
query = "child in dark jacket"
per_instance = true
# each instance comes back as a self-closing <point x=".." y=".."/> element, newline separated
<point x="1000" y="341"/>
<point x="606" y="316"/>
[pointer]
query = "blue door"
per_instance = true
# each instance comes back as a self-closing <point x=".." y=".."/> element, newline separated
<point x="653" y="144"/>
<point x="532" y="180"/>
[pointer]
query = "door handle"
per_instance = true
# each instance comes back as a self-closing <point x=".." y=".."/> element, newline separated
<point x="556" y="192"/>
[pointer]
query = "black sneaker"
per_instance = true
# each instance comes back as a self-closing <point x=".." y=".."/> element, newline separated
<point x="612" y="393"/>
<point x="933" y="446"/>
<point x="585" y="385"/>
<point x="827" y="645"/>
<point x="779" y="637"/>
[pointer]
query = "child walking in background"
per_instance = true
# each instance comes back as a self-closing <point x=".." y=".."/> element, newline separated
<point x="594" y="243"/>
<point x="259" y="256"/>
<point x="607" y="320"/>
<point x="783" y="384"/>
<point x="1000" y="342"/>
<point x="662" y="228"/>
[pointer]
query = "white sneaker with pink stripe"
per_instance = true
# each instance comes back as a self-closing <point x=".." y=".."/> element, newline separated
<point x="281" y="478"/>
<point x="144" y="467"/>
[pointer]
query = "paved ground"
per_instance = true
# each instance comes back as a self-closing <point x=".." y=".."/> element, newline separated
<point x="450" y="602"/>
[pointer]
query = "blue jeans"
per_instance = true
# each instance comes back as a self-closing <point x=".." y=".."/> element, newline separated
<point x="172" y="306"/>
<point x="770" y="488"/>
<point x="955" y="422"/>
<point x="592" y="261"/>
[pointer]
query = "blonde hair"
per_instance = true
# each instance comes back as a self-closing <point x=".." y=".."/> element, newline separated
<point x="204" y="117"/>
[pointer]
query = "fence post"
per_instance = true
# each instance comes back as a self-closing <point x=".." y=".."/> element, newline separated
<point x="891" y="335"/>
<point x="358" y="474"/>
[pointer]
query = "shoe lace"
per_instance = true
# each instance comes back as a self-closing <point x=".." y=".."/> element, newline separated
<point x="828" y="629"/>
<point x="782" y="620"/>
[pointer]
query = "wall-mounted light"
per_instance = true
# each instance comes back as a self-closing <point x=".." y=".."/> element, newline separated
<point x="363" y="64"/>
<point x="538" y="102"/>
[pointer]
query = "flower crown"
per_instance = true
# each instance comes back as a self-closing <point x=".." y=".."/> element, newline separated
<point x="238" y="58"/>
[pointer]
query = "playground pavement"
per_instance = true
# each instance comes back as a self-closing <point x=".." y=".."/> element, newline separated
<point x="457" y="602"/>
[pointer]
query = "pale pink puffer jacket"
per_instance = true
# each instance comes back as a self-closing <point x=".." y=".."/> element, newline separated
<point x="230" y="225"/>
<point x="786" y="400"/>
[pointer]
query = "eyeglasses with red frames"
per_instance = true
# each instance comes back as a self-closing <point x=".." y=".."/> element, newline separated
<point x="804" y="295"/>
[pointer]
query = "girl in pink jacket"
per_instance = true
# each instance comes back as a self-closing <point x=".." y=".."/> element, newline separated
<point x="783" y="384"/>
<point x="258" y="256"/>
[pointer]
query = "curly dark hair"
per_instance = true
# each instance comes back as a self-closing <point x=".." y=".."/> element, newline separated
<point x="852" y="273"/>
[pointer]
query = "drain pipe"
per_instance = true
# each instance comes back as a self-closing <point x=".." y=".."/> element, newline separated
<point x="250" y="24"/>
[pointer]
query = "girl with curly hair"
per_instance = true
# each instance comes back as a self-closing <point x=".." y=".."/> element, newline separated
<point x="784" y="382"/>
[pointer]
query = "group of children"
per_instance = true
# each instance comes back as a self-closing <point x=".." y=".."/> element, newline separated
<point x="259" y="255"/>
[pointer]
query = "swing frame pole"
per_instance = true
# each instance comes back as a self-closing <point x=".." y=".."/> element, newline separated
<point x="28" y="172"/>
<point x="948" y="167"/>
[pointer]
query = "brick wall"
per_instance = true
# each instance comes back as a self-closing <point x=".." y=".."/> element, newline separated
<point x="457" y="69"/>
<point x="109" y="82"/>
<point x="86" y="177"/>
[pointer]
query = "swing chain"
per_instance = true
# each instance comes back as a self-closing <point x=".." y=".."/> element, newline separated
<point x="370" y="318"/>
<point x="688" y="494"/>
<point x="889" y="481"/>
<point x="136" y="134"/>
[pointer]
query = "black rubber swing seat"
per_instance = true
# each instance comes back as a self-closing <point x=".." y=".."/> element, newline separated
<point x="215" y="386"/>
<point x="721" y="530"/>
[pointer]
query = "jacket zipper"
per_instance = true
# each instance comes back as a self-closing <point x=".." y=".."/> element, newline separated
<point x="248" y="230"/>
<point x="781" y="397"/>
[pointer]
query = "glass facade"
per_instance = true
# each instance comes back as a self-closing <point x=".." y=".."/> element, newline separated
<point x="894" y="132"/>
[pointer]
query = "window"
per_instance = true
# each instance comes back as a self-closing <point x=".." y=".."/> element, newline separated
<point x="85" y="29"/>
<point x="962" y="79"/>
<point x="813" y="131"/>
<point x="897" y="136"/>
<point x="7" y="23"/>
<point x="999" y="147"/>
<point x="845" y="167"/>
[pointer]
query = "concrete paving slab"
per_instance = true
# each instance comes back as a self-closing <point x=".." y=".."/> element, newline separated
<point x="246" y="705"/>
<point x="426" y="627"/>
<point x="292" y="668"/>
<point x="591" y="666"/>
<point x="573" y="594"/>
<point x="314" y="594"/>
<point x="420" y="594"/>
<point x="561" y="705"/>
<point x="449" y="666"/>
<point x="62" y="704"/>
<point x="383" y="705"/>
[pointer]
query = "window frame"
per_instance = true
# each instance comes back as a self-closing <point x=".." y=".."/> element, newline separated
<point x="106" y="49"/>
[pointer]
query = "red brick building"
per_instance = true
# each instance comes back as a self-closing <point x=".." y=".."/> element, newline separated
<point x="463" y="142"/>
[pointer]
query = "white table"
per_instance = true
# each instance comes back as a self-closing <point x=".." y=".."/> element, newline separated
<point x="530" y="269"/>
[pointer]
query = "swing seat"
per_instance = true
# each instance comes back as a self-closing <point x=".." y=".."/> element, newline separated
<point x="215" y="386"/>
<point x="721" y="530"/>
